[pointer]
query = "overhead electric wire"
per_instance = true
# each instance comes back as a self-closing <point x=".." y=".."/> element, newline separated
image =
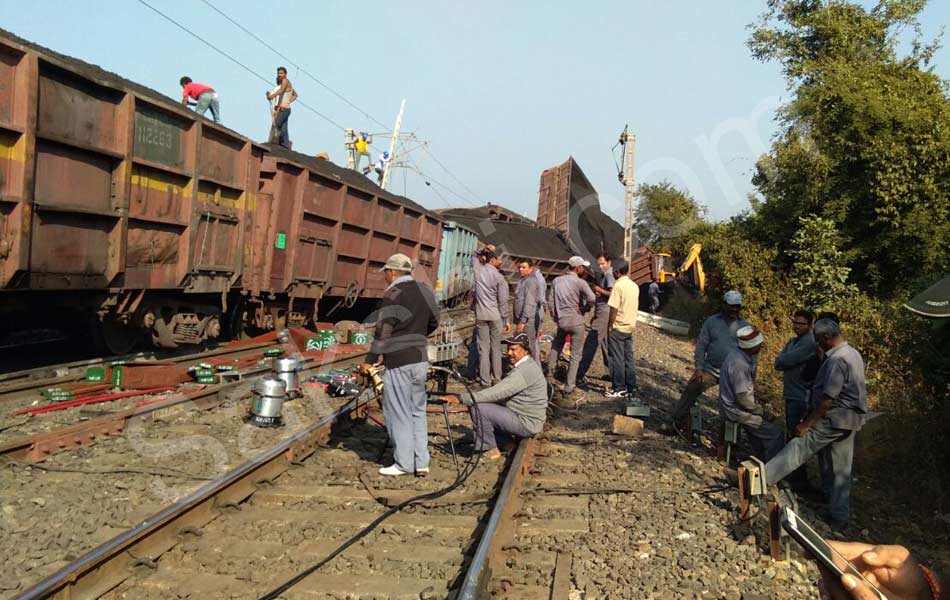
<point x="235" y="61"/>
<point x="254" y="73"/>
<point x="292" y="62"/>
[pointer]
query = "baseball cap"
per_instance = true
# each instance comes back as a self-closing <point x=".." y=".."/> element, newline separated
<point x="577" y="261"/>
<point x="521" y="339"/>
<point x="733" y="297"/>
<point x="398" y="262"/>
<point x="749" y="337"/>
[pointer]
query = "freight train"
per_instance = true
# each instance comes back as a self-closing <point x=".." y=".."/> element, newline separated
<point x="126" y="218"/>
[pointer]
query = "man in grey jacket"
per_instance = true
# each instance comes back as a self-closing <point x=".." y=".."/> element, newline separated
<point x="490" y="298"/>
<point x="571" y="297"/>
<point x="515" y="407"/>
<point x="527" y="305"/>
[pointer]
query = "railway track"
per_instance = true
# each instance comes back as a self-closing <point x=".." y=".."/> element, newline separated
<point x="292" y="505"/>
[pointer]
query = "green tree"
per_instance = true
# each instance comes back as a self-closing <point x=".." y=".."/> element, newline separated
<point x="819" y="275"/>
<point x="865" y="141"/>
<point x="665" y="214"/>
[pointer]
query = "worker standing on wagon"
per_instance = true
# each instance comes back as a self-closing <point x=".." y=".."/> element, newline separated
<point x="407" y="314"/>
<point x="571" y="297"/>
<point x="285" y="94"/>
<point x="716" y="339"/>
<point x="597" y="339"/>
<point x="527" y="306"/>
<point x="490" y="298"/>
<point x="202" y="96"/>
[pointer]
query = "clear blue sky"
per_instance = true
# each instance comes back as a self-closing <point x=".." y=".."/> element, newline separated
<point x="501" y="89"/>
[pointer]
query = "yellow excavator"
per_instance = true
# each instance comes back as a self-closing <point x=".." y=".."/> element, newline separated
<point x="692" y="268"/>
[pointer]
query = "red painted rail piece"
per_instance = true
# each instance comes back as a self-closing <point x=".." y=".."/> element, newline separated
<point x="47" y="408"/>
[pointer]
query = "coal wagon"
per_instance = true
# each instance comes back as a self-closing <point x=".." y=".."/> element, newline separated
<point x="128" y="217"/>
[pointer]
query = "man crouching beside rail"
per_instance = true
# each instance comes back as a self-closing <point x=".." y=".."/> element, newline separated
<point x="515" y="407"/>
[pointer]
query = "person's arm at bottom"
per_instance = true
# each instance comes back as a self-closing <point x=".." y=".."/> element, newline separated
<point x="889" y="568"/>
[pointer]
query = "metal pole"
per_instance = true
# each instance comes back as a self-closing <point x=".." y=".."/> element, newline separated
<point x="392" y="145"/>
<point x="629" y="242"/>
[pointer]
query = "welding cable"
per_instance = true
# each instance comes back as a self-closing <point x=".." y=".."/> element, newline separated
<point x="470" y="468"/>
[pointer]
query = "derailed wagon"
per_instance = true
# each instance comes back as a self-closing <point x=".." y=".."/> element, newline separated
<point x="125" y="215"/>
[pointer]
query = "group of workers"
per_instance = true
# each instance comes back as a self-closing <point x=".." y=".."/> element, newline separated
<point x="204" y="98"/>
<point x="607" y="291"/>
<point x="824" y="391"/>
<point x="824" y="380"/>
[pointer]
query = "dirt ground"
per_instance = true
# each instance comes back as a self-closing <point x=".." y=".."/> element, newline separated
<point x="684" y="545"/>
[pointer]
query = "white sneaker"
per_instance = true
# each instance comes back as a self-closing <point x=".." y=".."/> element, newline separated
<point x="423" y="472"/>
<point x="392" y="470"/>
<point x="615" y="394"/>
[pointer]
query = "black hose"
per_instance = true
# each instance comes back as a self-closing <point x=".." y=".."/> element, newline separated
<point x="460" y="478"/>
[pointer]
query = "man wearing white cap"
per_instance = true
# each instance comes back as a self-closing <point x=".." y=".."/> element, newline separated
<point x="717" y="338"/>
<point x="737" y="398"/>
<point x="406" y="316"/>
<point x="571" y="297"/>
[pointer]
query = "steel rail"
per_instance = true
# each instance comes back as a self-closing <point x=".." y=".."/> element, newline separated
<point x="20" y="381"/>
<point x="39" y="446"/>
<point x="105" y="567"/>
<point x="479" y="573"/>
<point x="108" y="565"/>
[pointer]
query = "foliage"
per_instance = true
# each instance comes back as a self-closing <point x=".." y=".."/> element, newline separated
<point x="665" y="214"/>
<point x="819" y="276"/>
<point x="865" y="141"/>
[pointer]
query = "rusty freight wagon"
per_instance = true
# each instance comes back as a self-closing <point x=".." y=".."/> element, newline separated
<point x="128" y="216"/>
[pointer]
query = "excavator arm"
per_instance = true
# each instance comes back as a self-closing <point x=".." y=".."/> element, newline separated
<point x="694" y="266"/>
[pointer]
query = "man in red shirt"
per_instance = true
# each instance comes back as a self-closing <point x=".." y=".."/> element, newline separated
<point x="202" y="96"/>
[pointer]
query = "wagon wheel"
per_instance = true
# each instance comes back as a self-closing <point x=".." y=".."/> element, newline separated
<point x="116" y="338"/>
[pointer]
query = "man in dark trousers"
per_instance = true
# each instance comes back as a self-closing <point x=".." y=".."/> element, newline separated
<point x="407" y="314"/>
<point x="283" y="95"/>
<point x="603" y="282"/>
<point x="791" y="361"/>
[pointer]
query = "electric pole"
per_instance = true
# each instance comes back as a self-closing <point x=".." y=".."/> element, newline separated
<point x="628" y="140"/>
<point x="392" y="145"/>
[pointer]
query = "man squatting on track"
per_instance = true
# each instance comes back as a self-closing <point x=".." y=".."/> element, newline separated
<point x="515" y="407"/>
<point x="716" y="339"/>
<point x="571" y="297"/>
<point x="407" y="314"/>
